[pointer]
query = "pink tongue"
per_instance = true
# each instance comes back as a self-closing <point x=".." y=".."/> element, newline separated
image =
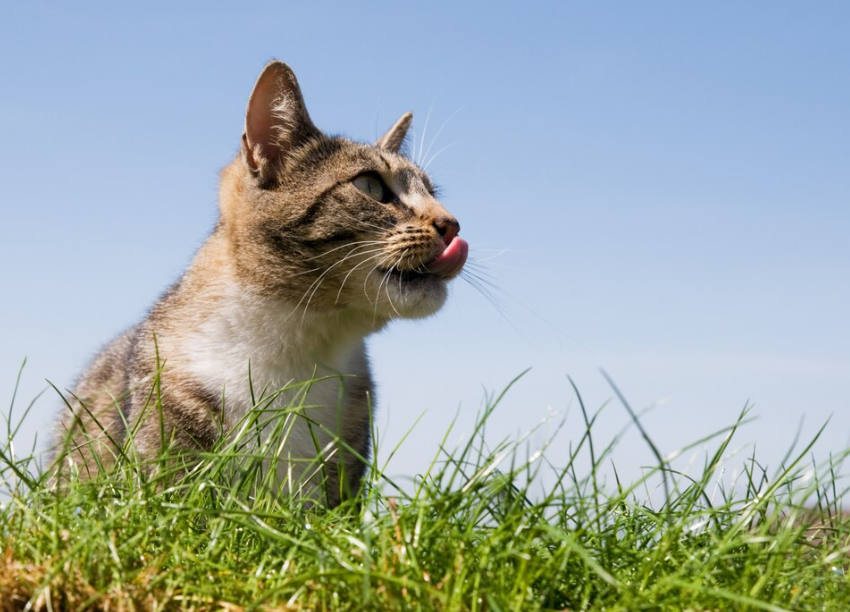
<point x="449" y="262"/>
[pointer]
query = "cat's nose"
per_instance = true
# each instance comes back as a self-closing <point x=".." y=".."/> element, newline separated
<point x="447" y="227"/>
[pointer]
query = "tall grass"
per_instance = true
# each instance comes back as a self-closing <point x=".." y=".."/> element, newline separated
<point x="480" y="528"/>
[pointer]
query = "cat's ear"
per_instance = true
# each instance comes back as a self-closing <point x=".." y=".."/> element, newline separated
<point x="394" y="138"/>
<point x="276" y="121"/>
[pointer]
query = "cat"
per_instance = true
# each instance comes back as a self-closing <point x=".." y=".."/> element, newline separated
<point x="320" y="242"/>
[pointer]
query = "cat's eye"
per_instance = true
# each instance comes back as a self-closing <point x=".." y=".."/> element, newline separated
<point x="373" y="187"/>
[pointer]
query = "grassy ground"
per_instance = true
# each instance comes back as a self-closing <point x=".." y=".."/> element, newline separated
<point x="469" y="534"/>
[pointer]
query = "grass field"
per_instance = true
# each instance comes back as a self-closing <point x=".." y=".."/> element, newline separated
<point x="483" y="527"/>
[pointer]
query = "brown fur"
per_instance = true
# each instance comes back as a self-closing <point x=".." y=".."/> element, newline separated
<point x="301" y="266"/>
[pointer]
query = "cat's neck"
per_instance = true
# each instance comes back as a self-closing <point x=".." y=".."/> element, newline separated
<point x="250" y="317"/>
<point x="224" y="330"/>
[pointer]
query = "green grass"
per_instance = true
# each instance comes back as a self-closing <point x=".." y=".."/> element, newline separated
<point x="483" y="527"/>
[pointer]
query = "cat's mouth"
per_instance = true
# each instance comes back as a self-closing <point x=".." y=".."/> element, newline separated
<point x="444" y="266"/>
<point x="408" y="277"/>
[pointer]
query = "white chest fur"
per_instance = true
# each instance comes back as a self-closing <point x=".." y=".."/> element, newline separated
<point x="283" y="348"/>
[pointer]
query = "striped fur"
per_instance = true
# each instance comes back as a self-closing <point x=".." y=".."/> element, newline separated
<point x="301" y="267"/>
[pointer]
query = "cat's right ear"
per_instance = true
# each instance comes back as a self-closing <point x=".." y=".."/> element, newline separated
<point x="276" y="121"/>
<point x="394" y="138"/>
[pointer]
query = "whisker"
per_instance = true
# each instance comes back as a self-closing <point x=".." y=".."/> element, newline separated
<point x="377" y="113"/>
<point x="424" y="130"/>
<point x="385" y="277"/>
<point x="359" y="242"/>
<point x="366" y="280"/>
<point x="413" y="129"/>
<point x="349" y="254"/>
<point x="316" y="283"/>
<point x="399" y="286"/>
<point x="499" y="253"/>
<point x="387" y="288"/>
<point x="440" y="131"/>
<point x="484" y="277"/>
<point x="350" y="272"/>
<point x="390" y="299"/>
<point x="363" y="223"/>
<point x="490" y="297"/>
<point x="433" y="157"/>
<point x="378" y="292"/>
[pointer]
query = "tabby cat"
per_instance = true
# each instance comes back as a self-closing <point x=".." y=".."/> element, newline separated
<point x="320" y="242"/>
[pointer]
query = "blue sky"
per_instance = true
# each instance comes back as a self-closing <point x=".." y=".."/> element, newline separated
<point x="660" y="189"/>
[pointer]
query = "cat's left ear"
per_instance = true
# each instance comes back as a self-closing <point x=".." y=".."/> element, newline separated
<point x="276" y="121"/>
<point x="394" y="138"/>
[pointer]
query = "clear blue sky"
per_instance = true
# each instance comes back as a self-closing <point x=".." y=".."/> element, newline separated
<point x="661" y="189"/>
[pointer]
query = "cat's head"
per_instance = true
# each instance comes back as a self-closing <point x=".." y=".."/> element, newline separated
<point x="328" y="223"/>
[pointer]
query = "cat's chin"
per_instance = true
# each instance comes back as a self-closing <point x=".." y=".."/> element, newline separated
<point x="410" y="295"/>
